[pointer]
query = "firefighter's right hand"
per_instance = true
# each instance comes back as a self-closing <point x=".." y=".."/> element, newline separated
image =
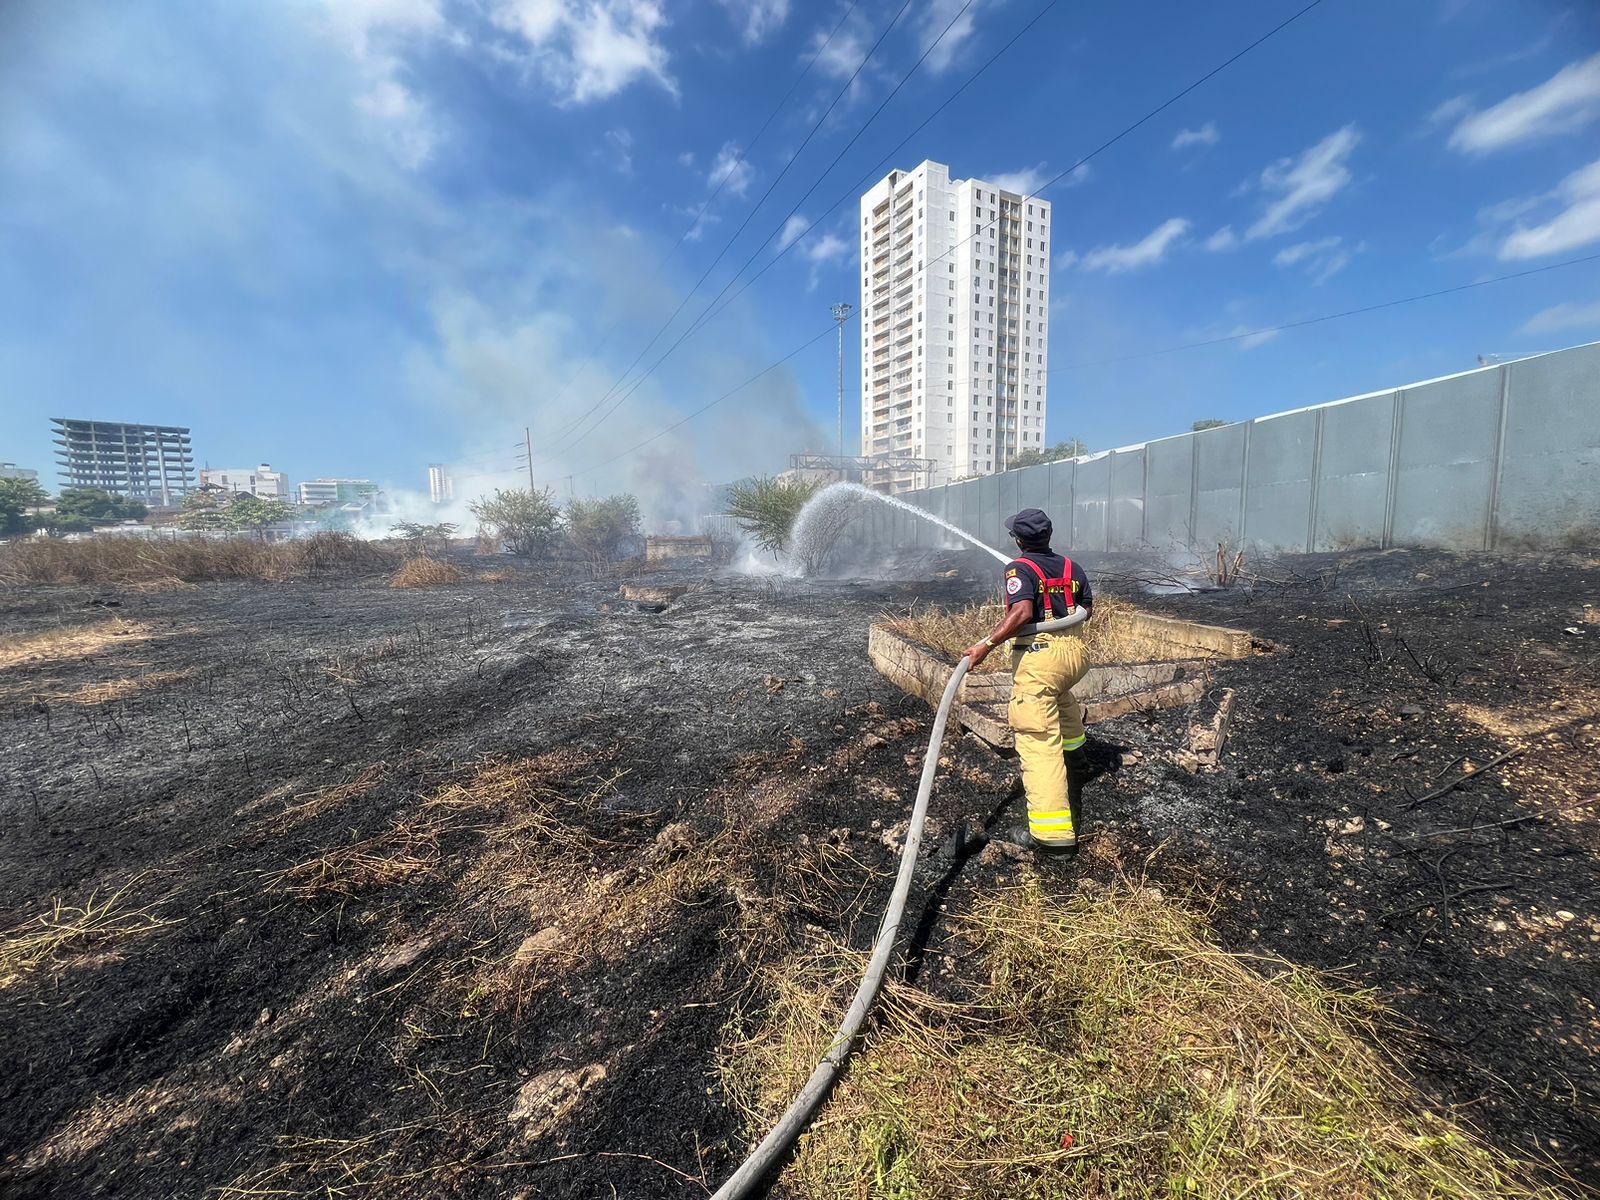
<point x="978" y="653"/>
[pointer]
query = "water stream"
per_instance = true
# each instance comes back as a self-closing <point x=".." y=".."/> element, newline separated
<point x="827" y="513"/>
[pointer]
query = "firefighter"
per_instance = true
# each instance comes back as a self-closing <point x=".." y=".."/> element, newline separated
<point x="1046" y="718"/>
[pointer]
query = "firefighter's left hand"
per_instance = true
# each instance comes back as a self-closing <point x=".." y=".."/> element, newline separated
<point x="978" y="653"/>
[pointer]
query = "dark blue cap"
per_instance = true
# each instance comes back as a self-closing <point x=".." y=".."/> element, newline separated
<point x="1031" y="525"/>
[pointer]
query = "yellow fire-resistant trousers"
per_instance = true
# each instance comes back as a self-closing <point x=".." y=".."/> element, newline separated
<point x="1047" y="721"/>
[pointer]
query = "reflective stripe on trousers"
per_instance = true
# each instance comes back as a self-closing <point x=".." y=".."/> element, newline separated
<point x="1047" y="720"/>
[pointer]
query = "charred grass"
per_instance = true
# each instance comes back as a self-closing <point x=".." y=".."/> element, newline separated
<point x="1108" y="1048"/>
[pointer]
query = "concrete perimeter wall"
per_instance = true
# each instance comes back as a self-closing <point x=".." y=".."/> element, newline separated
<point x="1504" y="457"/>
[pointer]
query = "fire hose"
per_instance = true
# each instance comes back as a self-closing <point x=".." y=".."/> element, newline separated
<point x="798" y="1115"/>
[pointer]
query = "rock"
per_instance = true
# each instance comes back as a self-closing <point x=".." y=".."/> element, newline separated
<point x="537" y="945"/>
<point x="1187" y="760"/>
<point x="1563" y="915"/>
<point x="405" y="954"/>
<point x="1410" y="710"/>
<point x="549" y="1096"/>
<point x="894" y="837"/>
<point x="672" y="842"/>
<point x="1131" y="757"/>
<point x="999" y="852"/>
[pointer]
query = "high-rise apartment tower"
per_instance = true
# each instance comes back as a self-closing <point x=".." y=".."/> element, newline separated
<point x="152" y="463"/>
<point x="955" y="316"/>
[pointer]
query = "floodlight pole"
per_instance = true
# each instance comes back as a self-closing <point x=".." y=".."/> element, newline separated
<point x="841" y="314"/>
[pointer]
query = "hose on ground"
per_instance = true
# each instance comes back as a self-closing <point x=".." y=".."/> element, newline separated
<point x="799" y="1113"/>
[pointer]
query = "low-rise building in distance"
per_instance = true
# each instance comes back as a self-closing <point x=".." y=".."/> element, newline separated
<point x="260" y="481"/>
<point x="12" y="471"/>
<point x="336" y="491"/>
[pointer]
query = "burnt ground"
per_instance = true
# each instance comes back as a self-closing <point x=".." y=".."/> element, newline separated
<point x="454" y="892"/>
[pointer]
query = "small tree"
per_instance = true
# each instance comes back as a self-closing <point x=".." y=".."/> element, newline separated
<point x="253" y="513"/>
<point x="204" y="508"/>
<point x="56" y="525"/>
<point x="1208" y="423"/>
<point x="99" y="505"/>
<point x="525" y="520"/>
<point x="600" y="528"/>
<point x="17" y="496"/>
<point x="1071" y="448"/>
<point x="424" y="539"/>
<point x="765" y="508"/>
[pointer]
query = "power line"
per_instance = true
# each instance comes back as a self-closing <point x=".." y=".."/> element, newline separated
<point x="708" y="314"/>
<point x="1349" y="312"/>
<point x="701" y="212"/>
<point x="706" y="274"/>
<point x="700" y="320"/>
<point x="710" y="404"/>
<point x="1098" y="150"/>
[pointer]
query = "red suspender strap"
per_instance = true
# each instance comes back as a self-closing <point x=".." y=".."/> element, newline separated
<point x="1047" y="583"/>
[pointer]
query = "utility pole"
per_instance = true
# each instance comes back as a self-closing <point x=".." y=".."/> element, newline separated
<point x="527" y="443"/>
<point x="841" y="314"/>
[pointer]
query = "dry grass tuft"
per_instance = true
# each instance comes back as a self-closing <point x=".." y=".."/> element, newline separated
<point x="949" y="632"/>
<point x="119" y="689"/>
<point x="330" y="798"/>
<point x="423" y="571"/>
<point x="1114" y="1050"/>
<point x="160" y="564"/>
<point x="498" y="575"/>
<point x="101" y="922"/>
<point x="54" y="645"/>
<point x="401" y="854"/>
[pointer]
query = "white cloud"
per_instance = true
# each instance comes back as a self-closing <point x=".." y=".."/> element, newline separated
<point x="587" y="50"/>
<point x="1323" y="259"/>
<point x="1028" y="180"/>
<point x="932" y="22"/>
<point x="761" y="18"/>
<point x="1450" y="110"/>
<point x="1290" y="255"/>
<point x="730" y="171"/>
<point x="826" y="248"/>
<point x="1565" y="102"/>
<point x="1303" y="185"/>
<point x="375" y="32"/>
<point x="1249" y="341"/>
<point x="792" y="228"/>
<point x="621" y="143"/>
<point x="1066" y="259"/>
<point x="1578" y="224"/>
<point x="1144" y="253"/>
<point x="819" y="253"/>
<point x="1206" y="135"/>
<point x="686" y="159"/>
<point x="846" y="50"/>
<point x="1563" y="316"/>
<point x="1024" y="182"/>
<point x="1223" y="239"/>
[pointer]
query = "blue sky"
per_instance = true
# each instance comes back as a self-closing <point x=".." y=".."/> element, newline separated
<point x="357" y="236"/>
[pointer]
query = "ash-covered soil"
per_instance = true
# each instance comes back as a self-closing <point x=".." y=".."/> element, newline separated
<point x="457" y="891"/>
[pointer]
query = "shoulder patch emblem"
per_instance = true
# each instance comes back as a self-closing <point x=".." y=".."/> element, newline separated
<point x="1013" y="585"/>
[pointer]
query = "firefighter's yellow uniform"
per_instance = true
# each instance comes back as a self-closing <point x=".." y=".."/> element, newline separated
<point x="1046" y="718"/>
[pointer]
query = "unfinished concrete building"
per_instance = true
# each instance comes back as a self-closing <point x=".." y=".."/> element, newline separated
<point x="150" y="463"/>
